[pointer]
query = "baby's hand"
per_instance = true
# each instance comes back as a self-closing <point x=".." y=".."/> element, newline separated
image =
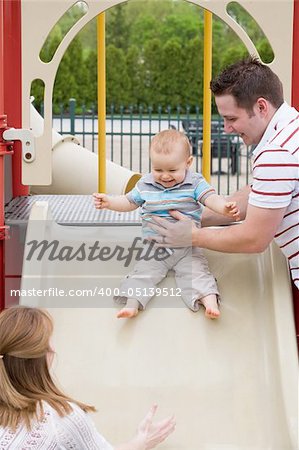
<point x="101" y="201"/>
<point x="231" y="210"/>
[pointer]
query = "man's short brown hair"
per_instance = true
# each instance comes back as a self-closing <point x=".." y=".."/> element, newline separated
<point x="248" y="80"/>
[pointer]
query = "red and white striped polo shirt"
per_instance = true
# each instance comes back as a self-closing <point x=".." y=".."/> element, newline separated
<point x="276" y="179"/>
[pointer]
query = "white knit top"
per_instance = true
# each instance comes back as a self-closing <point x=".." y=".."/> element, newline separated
<point x="75" y="431"/>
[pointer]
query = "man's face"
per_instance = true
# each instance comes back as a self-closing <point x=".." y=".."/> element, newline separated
<point x="250" y="127"/>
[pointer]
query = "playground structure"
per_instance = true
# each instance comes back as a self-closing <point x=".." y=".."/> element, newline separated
<point x="238" y="376"/>
<point x="68" y="148"/>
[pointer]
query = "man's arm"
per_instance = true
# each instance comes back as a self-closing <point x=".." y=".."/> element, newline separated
<point x="252" y="236"/>
<point x="210" y="218"/>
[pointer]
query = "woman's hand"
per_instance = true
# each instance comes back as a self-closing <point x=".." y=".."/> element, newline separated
<point x="150" y="434"/>
<point x="172" y="234"/>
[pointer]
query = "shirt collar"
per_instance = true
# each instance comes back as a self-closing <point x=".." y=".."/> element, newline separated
<point x="149" y="179"/>
<point x="278" y="121"/>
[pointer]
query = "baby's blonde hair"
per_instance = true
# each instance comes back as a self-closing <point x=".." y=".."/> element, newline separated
<point x="164" y="141"/>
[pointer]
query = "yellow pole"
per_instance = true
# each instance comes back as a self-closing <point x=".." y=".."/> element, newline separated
<point x="101" y="102"/>
<point x="207" y="98"/>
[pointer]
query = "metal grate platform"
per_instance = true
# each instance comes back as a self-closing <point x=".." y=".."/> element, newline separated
<point x="69" y="210"/>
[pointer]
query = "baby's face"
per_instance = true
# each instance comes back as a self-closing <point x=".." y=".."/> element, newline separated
<point x="170" y="169"/>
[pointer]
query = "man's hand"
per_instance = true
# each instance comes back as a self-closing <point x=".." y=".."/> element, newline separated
<point x="172" y="234"/>
<point x="231" y="210"/>
<point x="101" y="201"/>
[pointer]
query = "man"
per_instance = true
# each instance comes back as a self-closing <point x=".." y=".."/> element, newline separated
<point x="249" y="97"/>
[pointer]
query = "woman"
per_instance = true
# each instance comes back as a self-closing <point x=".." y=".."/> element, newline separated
<point x="34" y="413"/>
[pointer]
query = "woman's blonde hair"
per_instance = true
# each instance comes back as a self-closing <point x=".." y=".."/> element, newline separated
<point x="25" y="380"/>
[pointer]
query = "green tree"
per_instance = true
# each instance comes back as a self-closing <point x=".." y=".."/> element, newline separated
<point x="135" y="71"/>
<point x="234" y="54"/>
<point x="154" y="8"/>
<point x="88" y="37"/>
<point x="192" y="72"/>
<point x="170" y="77"/>
<point x="183" y="27"/>
<point x="77" y="65"/>
<point x="144" y="29"/>
<point x="154" y="53"/>
<point x="246" y="21"/>
<point x="253" y="29"/>
<point x="118" y="81"/>
<point x="152" y="57"/>
<point x="117" y="30"/>
<point x="50" y="46"/>
<point x="265" y="51"/>
<point x="91" y="68"/>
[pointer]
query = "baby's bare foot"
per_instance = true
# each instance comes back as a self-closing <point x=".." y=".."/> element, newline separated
<point x="127" y="313"/>
<point x="211" y="306"/>
<point x="212" y="313"/>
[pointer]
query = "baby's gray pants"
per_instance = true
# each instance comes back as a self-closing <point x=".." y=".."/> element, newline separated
<point x="192" y="276"/>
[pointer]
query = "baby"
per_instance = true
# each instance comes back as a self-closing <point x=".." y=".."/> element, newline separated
<point x="170" y="186"/>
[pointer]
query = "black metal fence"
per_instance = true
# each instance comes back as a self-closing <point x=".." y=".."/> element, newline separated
<point x="129" y="131"/>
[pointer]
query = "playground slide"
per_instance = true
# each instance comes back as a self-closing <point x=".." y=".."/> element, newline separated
<point x="231" y="383"/>
<point x="75" y="169"/>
